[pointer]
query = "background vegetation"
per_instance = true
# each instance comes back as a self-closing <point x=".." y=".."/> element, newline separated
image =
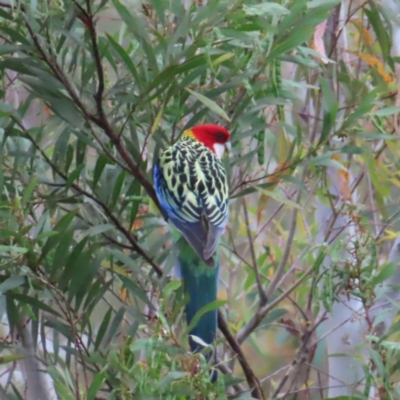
<point x="93" y="90"/>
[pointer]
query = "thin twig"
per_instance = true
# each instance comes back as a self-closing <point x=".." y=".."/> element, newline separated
<point x="261" y="293"/>
<point x="100" y="119"/>
<point x="281" y="267"/>
<point x="262" y="312"/>
<point x="104" y="207"/>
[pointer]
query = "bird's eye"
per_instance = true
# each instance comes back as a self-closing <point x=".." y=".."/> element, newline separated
<point x="220" y="136"/>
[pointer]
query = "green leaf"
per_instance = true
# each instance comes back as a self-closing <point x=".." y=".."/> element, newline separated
<point x="32" y="302"/>
<point x="16" y="36"/>
<point x="330" y="110"/>
<point x="325" y="3"/>
<point x="125" y="259"/>
<point x="377" y="360"/>
<point x="159" y="6"/>
<point x="98" y="229"/>
<point x="103" y="328"/>
<point x="209" y="104"/>
<point x="364" y="107"/>
<point x="328" y="162"/>
<point x="74" y="175"/>
<point x="11" y="358"/>
<point x="29" y="190"/>
<point x="11" y="283"/>
<point x="329" y="101"/>
<point x="387" y="271"/>
<point x="296" y="38"/>
<point x="385" y="112"/>
<point x="139" y="28"/>
<point x="134" y="23"/>
<point x="62" y="250"/>
<point x="268" y="8"/>
<point x="119" y="182"/>
<point x="278" y="197"/>
<point x="273" y="315"/>
<point x="223" y="58"/>
<point x="96" y="385"/>
<point x="352" y="150"/>
<point x="12" y="249"/>
<point x="61" y="327"/>
<point x="13" y="48"/>
<point x="115" y="324"/>
<point x="6" y="109"/>
<point x="344" y="398"/>
<point x="126" y="59"/>
<point x="171" y="287"/>
<point x="376" y="136"/>
<point x="76" y="260"/>
<point x="172" y="376"/>
<point x="390" y="345"/>
<point x="374" y="18"/>
<point x="209" y="307"/>
<point x="133" y="288"/>
<point x="98" y="169"/>
<point x="1" y="180"/>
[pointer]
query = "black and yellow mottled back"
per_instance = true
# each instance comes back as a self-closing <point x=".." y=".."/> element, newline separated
<point x="192" y="188"/>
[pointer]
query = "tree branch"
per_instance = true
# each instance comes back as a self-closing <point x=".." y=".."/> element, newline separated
<point x="104" y="207"/>
<point x="252" y="380"/>
<point x="264" y="309"/>
<point x="100" y="119"/>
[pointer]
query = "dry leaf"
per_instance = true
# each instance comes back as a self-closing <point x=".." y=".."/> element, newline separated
<point x="318" y="41"/>
<point x="366" y="37"/>
<point x="123" y="293"/>
<point x="46" y="110"/>
<point x="375" y="62"/>
<point x="274" y="178"/>
<point x="138" y="223"/>
<point x="344" y="181"/>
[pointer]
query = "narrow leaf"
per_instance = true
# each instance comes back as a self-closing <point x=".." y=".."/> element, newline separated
<point x="209" y="104"/>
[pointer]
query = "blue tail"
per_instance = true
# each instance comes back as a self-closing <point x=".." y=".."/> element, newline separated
<point x="200" y="283"/>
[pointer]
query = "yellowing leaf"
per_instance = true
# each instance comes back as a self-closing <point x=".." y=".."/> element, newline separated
<point x="223" y="58"/>
<point x="344" y="185"/>
<point x="157" y="119"/>
<point x="364" y="33"/>
<point x="222" y="293"/>
<point x="115" y="268"/>
<point x="138" y="223"/>
<point x="395" y="182"/>
<point x="374" y="62"/>
<point x="274" y="178"/>
<point x="344" y="181"/>
<point x="11" y="358"/>
<point x="123" y="293"/>
<point x="391" y="235"/>
<point x="47" y="111"/>
<point x="279" y="198"/>
<point x="283" y="148"/>
<point x="300" y="224"/>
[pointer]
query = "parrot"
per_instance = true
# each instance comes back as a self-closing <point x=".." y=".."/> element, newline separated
<point x="191" y="185"/>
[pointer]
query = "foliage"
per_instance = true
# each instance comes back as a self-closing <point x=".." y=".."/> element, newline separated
<point x="93" y="91"/>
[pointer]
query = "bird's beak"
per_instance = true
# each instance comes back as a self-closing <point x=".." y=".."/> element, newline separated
<point x="228" y="147"/>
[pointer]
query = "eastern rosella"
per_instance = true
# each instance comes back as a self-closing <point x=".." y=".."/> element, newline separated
<point x="192" y="188"/>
